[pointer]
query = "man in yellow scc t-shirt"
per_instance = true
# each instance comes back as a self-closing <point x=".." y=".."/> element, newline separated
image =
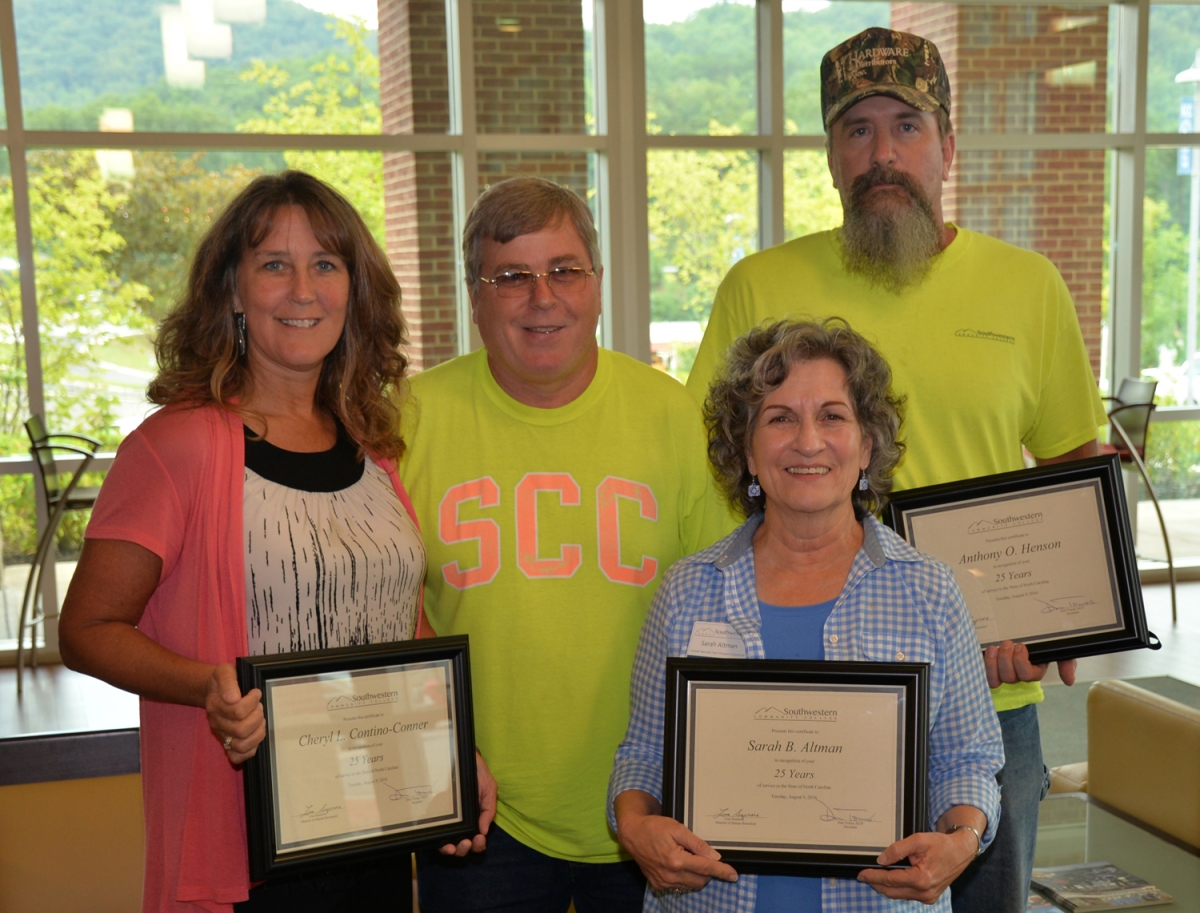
<point x="982" y="338"/>
<point x="555" y="483"/>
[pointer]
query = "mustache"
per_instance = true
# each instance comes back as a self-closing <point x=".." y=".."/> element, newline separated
<point x="884" y="175"/>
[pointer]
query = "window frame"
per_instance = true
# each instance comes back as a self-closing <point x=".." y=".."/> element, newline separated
<point x="621" y="144"/>
<point x="463" y="141"/>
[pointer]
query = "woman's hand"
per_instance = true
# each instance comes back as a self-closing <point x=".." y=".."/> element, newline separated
<point x="487" y="811"/>
<point x="671" y="857"/>
<point x="937" y="858"/>
<point x="236" y="721"/>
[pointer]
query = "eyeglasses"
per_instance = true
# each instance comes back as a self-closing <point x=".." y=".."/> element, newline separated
<point x="517" y="283"/>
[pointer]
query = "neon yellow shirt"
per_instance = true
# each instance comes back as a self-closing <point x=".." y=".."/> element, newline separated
<point x="987" y="350"/>
<point x="548" y="531"/>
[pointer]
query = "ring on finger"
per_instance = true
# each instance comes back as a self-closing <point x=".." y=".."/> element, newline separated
<point x="228" y="742"/>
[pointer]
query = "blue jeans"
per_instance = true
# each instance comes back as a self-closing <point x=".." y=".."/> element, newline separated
<point x="510" y="876"/>
<point x="998" y="881"/>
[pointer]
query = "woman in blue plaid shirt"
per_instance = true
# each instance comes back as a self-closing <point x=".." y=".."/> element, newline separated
<point x="803" y="436"/>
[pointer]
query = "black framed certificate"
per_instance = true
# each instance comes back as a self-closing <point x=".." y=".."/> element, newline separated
<point x="369" y="750"/>
<point x="1043" y="556"/>
<point x="796" y="768"/>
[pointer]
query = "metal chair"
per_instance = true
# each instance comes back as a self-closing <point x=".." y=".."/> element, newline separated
<point x="62" y="493"/>
<point x="1129" y="420"/>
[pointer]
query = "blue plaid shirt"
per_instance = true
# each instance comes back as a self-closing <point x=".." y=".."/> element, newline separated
<point x="897" y="605"/>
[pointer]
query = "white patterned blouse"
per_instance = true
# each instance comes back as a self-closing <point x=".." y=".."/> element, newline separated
<point x="332" y="557"/>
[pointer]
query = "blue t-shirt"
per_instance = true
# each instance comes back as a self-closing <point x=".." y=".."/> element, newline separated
<point x="792" y="632"/>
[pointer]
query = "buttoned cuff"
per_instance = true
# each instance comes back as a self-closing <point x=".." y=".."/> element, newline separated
<point x="633" y="774"/>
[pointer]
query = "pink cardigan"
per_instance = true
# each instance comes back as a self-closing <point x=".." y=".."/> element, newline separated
<point x="175" y="488"/>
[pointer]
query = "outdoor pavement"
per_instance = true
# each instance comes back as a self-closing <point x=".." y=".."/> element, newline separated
<point x="1183" y="528"/>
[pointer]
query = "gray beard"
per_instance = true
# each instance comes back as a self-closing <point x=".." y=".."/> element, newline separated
<point x="890" y="245"/>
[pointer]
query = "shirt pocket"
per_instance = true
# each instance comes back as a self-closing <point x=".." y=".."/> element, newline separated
<point x="897" y="647"/>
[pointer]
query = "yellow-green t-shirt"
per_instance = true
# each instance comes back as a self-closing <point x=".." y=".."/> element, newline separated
<point x="547" y="532"/>
<point x="987" y="350"/>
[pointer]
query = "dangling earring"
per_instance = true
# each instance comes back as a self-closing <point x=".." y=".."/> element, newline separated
<point x="754" y="489"/>
<point x="863" y="484"/>
<point x="239" y="329"/>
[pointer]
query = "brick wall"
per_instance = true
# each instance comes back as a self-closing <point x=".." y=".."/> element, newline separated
<point x="418" y="198"/>
<point x="526" y="81"/>
<point x="1023" y="70"/>
<point x="531" y="80"/>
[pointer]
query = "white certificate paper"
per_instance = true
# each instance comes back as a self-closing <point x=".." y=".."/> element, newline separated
<point x="1031" y="566"/>
<point x="814" y="768"/>
<point x="361" y="753"/>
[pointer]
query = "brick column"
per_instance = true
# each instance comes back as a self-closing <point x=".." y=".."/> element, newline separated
<point x="530" y="81"/>
<point x="1023" y="70"/>
<point x="414" y="96"/>
<point x="529" y="78"/>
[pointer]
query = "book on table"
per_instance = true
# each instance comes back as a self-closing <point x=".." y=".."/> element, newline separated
<point x="1096" y="886"/>
<point x="1039" y="904"/>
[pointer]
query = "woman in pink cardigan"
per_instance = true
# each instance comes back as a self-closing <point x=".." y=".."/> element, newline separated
<point x="258" y="511"/>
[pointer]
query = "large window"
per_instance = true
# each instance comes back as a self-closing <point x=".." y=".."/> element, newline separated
<point x="1053" y="108"/>
<point x="692" y="127"/>
<point x="1031" y="91"/>
<point x="133" y="123"/>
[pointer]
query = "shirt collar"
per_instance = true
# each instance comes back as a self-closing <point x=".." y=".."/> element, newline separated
<point x="875" y="547"/>
<point x="739" y="543"/>
<point x="872" y="547"/>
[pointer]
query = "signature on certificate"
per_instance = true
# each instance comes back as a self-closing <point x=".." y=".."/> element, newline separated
<point x="318" y="812"/>
<point x="409" y="793"/>
<point x="845" y="815"/>
<point x="1065" y="604"/>
<point x="725" y="816"/>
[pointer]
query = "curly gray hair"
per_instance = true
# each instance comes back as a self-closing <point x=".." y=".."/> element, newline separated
<point x="760" y="361"/>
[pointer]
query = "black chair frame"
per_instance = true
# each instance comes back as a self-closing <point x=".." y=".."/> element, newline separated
<point x="1135" y="457"/>
<point x="44" y="448"/>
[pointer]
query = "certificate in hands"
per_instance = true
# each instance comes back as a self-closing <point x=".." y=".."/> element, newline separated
<point x="369" y="750"/>
<point x="1043" y="556"/>
<point x="796" y="768"/>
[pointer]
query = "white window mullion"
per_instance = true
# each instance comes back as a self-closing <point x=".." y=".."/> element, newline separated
<point x="21" y="210"/>
<point x="460" y="52"/>
<point x="769" y="59"/>
<point x="1128" y="190"/>
<point x="621" y="109"/>
<point x="29" y="312"/>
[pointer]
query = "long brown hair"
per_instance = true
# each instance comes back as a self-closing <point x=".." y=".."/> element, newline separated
<point x="197" y="347"/>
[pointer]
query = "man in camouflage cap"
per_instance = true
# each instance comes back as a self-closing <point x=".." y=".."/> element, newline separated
<point x="982" y="339"/>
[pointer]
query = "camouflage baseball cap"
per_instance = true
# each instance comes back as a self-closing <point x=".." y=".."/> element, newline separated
<point x="882" y="62"/>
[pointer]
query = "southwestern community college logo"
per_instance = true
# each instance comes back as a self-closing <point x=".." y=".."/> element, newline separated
<point x="993" y="524"/>
<point x="986" y="335"/>
<point x="350" y="701"/>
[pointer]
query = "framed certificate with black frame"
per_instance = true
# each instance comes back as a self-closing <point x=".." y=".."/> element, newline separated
<point x="797" y="768"/>
<point x="1043" y="556"/>
<point x="369" y="751"/>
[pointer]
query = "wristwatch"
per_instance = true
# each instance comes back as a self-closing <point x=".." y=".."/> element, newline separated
<point x="966" y="827"/>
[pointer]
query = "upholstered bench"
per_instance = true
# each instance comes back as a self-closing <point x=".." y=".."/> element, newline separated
<point x="1143" y="758"/>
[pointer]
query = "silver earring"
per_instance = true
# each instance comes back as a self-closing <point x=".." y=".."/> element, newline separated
<point x="239" y="329"/>
<point x="863" y="484"/>
<point x="754" y="489"/>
